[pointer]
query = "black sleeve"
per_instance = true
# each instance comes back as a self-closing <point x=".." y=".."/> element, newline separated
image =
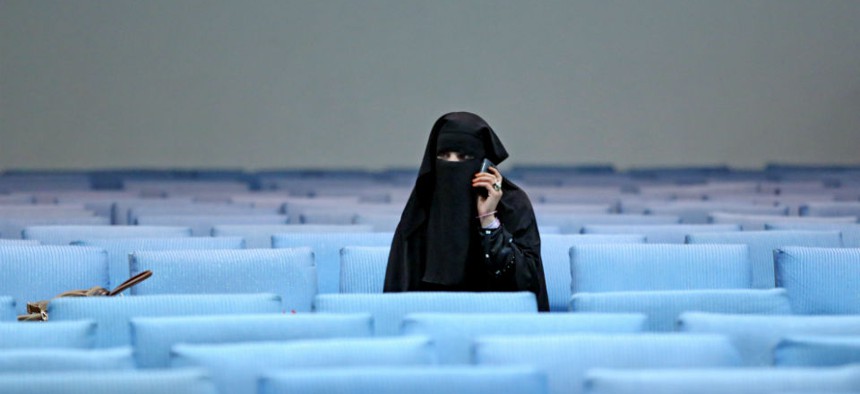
<point x="508" y="266"/>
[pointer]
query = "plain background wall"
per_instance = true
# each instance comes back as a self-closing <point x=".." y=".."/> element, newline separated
<point x="261" y="84"/>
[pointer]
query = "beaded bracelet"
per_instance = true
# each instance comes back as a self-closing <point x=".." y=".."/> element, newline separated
<point x="485" y="215"/>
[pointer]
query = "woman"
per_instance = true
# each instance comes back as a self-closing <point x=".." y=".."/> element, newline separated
<point x="465" y="230"/>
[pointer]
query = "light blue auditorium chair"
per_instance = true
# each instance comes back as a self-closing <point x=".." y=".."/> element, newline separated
<point x="98" y="382"/>
<point x="153" y="337"/>
<point x="7" y="308"/>
<point x="573" y="223"/>
<point x="19" y="242"/>
<point x="664" y="307"/>
<point x="697" y="212"/>
<point x="362" y="269"/>
<point x="201" y="225"/>
<point x="631" y="267"/>
<point x="413" y="380"/>
<point x="13" y="228"/>
<point x="119" y="249"/>
<point x="454" y="333"/>
<point x="831" y="208"/>
<point x="112" y="314"/>
<point x="756" y="336"/>
<point x="326" y="248"/>
<point x="659" y="233"/>
<point x="763" y="243"/>
<point x="850" y="232"/>
<point x="817" y="351"/>
<point x="235" y="368"/>
<point x="331" y="216"/>
<point x="290" y="273"/>
<point x="759" y="222"/>
<point x="56" y="360"/>
<point x="260" y="235"/>
<point x="555" y="254"/>
<point x="29" y="335"/>
<point x="566" y="358"/>
<point x="388" y="309"/>
<point x="34" y="273"/>
<point x="381" y="221"/>
<point x="819" y="281"/>
<point x="724" y="381"/>
<point x="64" y="235"/>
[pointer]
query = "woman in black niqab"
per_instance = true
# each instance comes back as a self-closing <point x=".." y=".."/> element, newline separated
<point x="464" y="231"/>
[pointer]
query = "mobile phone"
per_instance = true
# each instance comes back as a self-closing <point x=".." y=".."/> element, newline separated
<point x="485" y="166"/>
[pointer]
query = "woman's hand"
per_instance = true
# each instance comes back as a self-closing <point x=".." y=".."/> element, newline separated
<point x="492" y="183"/>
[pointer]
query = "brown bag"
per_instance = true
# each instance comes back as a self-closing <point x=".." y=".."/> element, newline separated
<point x="38" y="311"/>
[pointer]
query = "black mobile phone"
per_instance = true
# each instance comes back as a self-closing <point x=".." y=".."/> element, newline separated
<point x="485" y="166"/>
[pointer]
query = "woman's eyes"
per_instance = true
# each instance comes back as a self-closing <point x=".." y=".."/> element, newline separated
<point x="452" y="155"/>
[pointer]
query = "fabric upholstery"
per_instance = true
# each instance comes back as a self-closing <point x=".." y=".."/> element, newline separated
<point x="819" y="281"/>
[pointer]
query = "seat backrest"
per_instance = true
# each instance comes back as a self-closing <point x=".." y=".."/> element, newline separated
<point x="63" y="235"/>
<point x="362" y="269"/>
<point x="259" y="236"/>
<point x="72" y="334"/>
<point x="13" y="228"/>
<point x="759" y="222"/>
<point x="566" y="358"/>
<point x="631" y="267"/>
<point x="819" y="281"/>
<point x="850" y="232"/>
<point x="326" y="248"/>
<point x="98" y="382"/>
<point x="43" y="360"/>
<point x="381" y="221"/>
<point x="153" y="337"/>
<point x="290" y="273"/>
<point x="454" y="333"/>
<point x="762" y="244"/>
<point x="7" y="308"/>
<point x="573" y="224"/>
<point x="119" y="249"/>
<point x="388" y="309"/>
<point x="697" y="212"/>
<point x="201" y="225"/>
<point x="831" y="208"/>
<point x="112" y="314"/>
<point x="19" y="242"/>
<point x="659" y="233"/>
<point x="34" y="273"/>
<point x="817" y="351"/>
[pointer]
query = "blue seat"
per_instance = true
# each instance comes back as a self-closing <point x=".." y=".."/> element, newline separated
<point x="817" y="351"/>
<point x="566" y="358"/>
<point x="555" y="254"/>
<point x="56" y="360"/>
<point x="153" y="337"/>
<point x="698" y="212"/>
<point x="201" y="225"/>
<point x="260" y="235"/>
<point x="725" y="381"/>
<point x="573" y="223"/>
<point x="63" y="235"/>
<point x="7" y="308"/>
<point x="762" y="244"/>
<point x="19" y="242"/>
<point x="631" y="267"/>
<point x="819" y="281"/>
<point x="759" y="222"/>
<point x="290" y="273"/>
<point x="119" y="249"/>
<point x="453" y="333"/>
<point x="388" y="309"/>
<point x="413" y="380"/>
<point x="98" y="382"/>
<point x="380" y="221"/>
<point x="34" y="273"/>
<point x="831" y="208"/>
<point x="13" y="228"/>
<point x="235" y="368"/>
<point x="659" y="233"/>
<point x="664" y="307"/>
<point x="850" y="232"/>
<point x="756" y="336"/>
<point x="112" y="314"/>
<point x="326" y="247"/>
<point x="72" y="334"/>
<point x="362" y="269"/>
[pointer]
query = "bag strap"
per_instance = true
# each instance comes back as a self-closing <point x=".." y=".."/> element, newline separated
<point x="130" y="282"/>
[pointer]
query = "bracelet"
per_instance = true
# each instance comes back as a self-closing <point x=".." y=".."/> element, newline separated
<point x="485" y="215"/>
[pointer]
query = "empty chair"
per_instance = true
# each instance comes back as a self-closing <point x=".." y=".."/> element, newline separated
<point x="112" y="314"/>
<point x="819" y="281"/>
<point x="817" y="351"/>
<point x="119" y="249"/>
<point x="756" y="336"/>
<point x="664" y="307"/>
<point x="13" y="228"/>
<point x="71" y="334"/>
<point x="153" y="337"/>
<point x="330" y="216"/>
<point x="413" y="380"/>
<point x="759" y="222"/>
<point x="725" y="381"/>
<point x="260" y="235"/>
<point x="63" y="235"/>
<point x="290" y="273"/>
<point x="19" y="242"/>
<point x="659" y="233"/>
<point x="235" y="368"/>
<point x="362" y="269"/>
<point x="631" y="267"/>
<point x="831" y="208"/>
<point x="388" y="309"/>
<point x="7" y="308"/>
<point x="850" y="232"/>
<point x="34" y="273"/>
<point x="51" y="359"/>
<point x="381" y="221"/>
<point x="573" y="223"/>
<point x="555" y="255"/>
<point x="327" y="247"/>
<point x="201" y="225"/>
<point x="98" y="382"/>
<point x="697" y="212"/>
<point x="762" y="244"/>
<point x="566" y="358"/>
<point x="453" y="333"/>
